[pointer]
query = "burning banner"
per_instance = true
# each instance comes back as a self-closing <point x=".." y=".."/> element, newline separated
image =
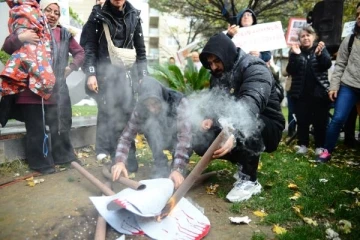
<point x="135" y="212"/>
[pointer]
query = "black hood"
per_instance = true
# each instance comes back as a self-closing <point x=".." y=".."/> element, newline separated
<point x="221" y="46"/>
<point x="241" y="13"/>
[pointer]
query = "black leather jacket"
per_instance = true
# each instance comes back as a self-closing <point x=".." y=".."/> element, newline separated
<point x="125" y="30"/>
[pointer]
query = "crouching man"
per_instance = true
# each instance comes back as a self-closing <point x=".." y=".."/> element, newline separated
<point x="245" y="84"/>
<point x="162" y="116"/>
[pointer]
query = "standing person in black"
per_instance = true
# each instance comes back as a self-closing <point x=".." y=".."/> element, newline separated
<point x="308" y="65"/>
<point x="112" y="86"/>
<point x="242" y="89"/>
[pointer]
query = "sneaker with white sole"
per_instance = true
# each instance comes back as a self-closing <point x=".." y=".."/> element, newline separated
<point x="302" y="150"/>
<point x="243" y="190"/>
<point x="101" y="156"/>
<point x="319" y="151"/>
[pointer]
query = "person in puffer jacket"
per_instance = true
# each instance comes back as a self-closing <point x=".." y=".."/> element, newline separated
<point x="243" y="95"/>
<point x="308" y="65"/>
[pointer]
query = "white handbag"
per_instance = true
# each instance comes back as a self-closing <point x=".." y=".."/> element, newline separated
<point x="124" y="57"/>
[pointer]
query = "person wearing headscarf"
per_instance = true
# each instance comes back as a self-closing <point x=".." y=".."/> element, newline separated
<point x="46" y="148"/>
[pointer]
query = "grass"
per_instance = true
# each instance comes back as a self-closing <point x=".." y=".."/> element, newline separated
<point x="323" y="202"/>
<point x="84" y="111"/>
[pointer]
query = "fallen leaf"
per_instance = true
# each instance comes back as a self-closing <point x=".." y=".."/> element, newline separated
<point x="348" y="191"/>
<point x="297" y="209"/>
<point x="239" y="220"/>
<point x="132" y="175"/>
<point x="293" y="186"/>
<point x="278" y="230"/>
<point x="260" y="166"/>
<point x="211" y="190"/>
<point x="323" y="180"/>
<point x="141" y="164"/>
<point x="331" y="210"/>
<point x="260" y="213"/>
<point x="345" y="226"/>
<point x="310" y="221"/>
<point x="168" y="154"/>
<point x="296" y="196"/>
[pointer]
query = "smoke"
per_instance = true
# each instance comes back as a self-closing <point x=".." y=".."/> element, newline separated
<point x="226" y="110"/>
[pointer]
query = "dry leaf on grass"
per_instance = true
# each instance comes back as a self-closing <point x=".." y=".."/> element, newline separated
<point x="345" y="226"/>
<point x="293" y="186"/>
<point x="296" y="196"/>
<point x="310" y="221"/>
<point x="260" y="213"/>
<point x="278" y="230"/>
<point x="297" y="209"/>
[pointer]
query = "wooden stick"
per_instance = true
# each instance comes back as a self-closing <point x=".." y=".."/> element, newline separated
<point x="100" y="231"/>
<point x="193" y="176"/>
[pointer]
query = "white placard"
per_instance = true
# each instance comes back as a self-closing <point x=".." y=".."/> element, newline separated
<point x="185" y="51"/>
<point x="348" y="28"/>
<point x="260" y="37"/>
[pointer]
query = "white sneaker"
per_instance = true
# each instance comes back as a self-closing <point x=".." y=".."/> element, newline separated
<point x="302" y="150"/>
<point x="243" y="190"/>
<point x="101" y="156"/>
<point x="319" y="151"/>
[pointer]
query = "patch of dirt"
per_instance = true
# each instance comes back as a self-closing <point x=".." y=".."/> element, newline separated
<point x="60" y="208"/>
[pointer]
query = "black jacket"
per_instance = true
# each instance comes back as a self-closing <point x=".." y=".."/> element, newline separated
<point x="306" y="66"/>
<point x="125" y="30"/>
<point x="246" y="78"/>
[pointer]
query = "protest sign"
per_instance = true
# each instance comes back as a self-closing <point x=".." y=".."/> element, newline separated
<point x="348" y="29"/>
<point x="185" y="51"/>
<point x="294" y="26"/>
<point x="260" y="37"/>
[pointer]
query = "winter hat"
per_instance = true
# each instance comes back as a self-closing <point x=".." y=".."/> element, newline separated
<point x="45" y="3"/>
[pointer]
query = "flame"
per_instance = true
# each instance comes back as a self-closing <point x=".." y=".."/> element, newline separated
<point x="167" y="209"/>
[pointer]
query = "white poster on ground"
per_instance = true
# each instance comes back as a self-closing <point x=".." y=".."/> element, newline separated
<point x="260" y="37"/>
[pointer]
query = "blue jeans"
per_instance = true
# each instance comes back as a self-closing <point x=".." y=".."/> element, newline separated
<point x="346" y="99"/>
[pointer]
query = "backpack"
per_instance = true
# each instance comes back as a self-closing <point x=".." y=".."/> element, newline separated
<point x="351" y="41"/>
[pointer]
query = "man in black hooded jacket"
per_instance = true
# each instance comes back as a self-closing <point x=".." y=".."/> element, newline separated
<point x="245" y="82"/>
<point x="161" y="114"/>
<point x="110" y="85"/>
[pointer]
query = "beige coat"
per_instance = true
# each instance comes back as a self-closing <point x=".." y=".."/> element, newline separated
<point x="347" y="68"/>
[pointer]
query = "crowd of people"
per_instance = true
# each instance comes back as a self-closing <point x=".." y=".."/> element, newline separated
<point x="130" y="101"/>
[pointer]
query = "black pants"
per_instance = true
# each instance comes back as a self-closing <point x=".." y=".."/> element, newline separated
<point x="60" y="149"/>
<point x="247" y="152"/>
<point x="115" y="104"/>
<point x="313" y="111"/>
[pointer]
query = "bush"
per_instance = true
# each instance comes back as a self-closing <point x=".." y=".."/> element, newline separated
<point x="4" y="57"/>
